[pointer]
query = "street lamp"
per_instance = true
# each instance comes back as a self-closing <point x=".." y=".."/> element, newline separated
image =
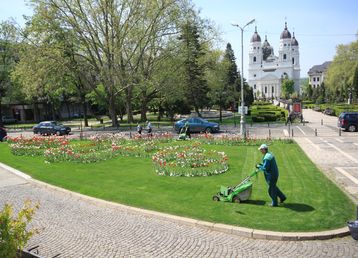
<point x="349" y="96"/>
<point x="242" y="121"/>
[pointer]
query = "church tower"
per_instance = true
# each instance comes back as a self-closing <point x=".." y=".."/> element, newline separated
<point x="255" y="53"/>
<point x="266" y="70"/>
<point x="284" y="50"/>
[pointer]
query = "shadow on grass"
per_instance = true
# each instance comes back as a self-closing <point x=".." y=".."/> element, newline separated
<point x="255" y="202"/>
<point x="300" y="207"/>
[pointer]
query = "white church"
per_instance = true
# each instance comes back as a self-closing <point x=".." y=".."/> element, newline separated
<point x="267" y="70"/>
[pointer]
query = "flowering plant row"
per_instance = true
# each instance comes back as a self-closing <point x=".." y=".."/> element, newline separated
<point x="34" y="146"/>
<point x="189" y="161"/>
<point x="235" y="140"/>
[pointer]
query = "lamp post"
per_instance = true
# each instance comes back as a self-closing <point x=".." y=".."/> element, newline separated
<point x="349" y="96"/>
<point x="242" y="121"/>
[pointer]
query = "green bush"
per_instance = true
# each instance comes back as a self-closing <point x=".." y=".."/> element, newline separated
<point x="266" y="112"/>
<point x="13" y="232"/>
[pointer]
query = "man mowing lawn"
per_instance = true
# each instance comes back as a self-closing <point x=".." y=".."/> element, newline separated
<point x="269" y="167"/>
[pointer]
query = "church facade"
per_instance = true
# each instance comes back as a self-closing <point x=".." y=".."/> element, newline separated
<point x="266" y="70"/>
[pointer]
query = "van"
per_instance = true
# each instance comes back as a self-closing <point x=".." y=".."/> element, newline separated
<point x="348" y="121"/>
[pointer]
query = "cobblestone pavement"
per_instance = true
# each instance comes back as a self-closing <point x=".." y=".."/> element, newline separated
<point x="77" y="228"/>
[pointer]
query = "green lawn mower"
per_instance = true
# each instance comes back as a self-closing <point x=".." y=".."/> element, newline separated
<point x="239" y="193"/>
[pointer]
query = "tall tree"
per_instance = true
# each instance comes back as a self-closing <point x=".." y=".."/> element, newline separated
<point x="218" y="80"/>
<point x="195" y="85"/>
<point x="8" y="41"/>
<point x="233" y="76"/>
<point x="355" y="83"/>
<point x="287" y="87"/>
<point x="340" y="74"/>
<point x="114" y="36"/>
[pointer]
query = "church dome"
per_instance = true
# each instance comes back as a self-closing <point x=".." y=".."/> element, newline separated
<point x="285" y="33"/>
<point x="267" y="50"/>
<point x="256" y="37"/>
<point x="265" y="44"/>
<point x="294" y="41"/>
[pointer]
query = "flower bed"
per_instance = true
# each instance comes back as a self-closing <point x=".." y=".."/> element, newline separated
<point x="235" y="140"/>
<point x="176" y="160"/>
<point x="189" y="161"/>
<point x="34" y="146"/>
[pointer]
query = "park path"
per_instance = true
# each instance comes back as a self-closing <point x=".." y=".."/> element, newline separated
<point x="78" y="227"/>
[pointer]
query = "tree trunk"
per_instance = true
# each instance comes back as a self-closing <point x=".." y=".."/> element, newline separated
<point x="197" y="111"/>
<point x="1" y="122"/>
<point x="143" y="110"/>
<point x="53" y="113"/>
<point x="220" y="114"/>
<point x="129" y="104"/>
<point x="85" y="111"/>
<point x="68" y="110"/>
<point x="112" y="111"/>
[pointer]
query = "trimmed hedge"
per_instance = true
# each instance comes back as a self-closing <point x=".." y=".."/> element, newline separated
<point x="338" y="108"/>
<point x="266" y="112"/>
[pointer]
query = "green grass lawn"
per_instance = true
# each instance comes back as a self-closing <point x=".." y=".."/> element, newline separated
<point x="313" y="202"/>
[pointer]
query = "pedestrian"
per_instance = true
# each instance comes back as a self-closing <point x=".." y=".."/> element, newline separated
<point x="139" y="129"/>
<point x="187" y="129"/>
<point x="270" y="169"/>
<point x="149" y="129"/>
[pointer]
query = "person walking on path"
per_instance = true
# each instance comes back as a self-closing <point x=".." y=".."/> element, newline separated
<point x="149" y="129"/>
<point x="139" y="129"/>
<point x="270" y="169"/>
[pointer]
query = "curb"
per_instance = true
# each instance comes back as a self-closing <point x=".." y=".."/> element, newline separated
<point x="234" y="230"/>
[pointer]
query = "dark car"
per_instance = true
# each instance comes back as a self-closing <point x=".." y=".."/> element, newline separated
<point x="51" y="127"/>
<point x="197" y="125"/>
<point x="3" y="133"/>
<point x="348" y="121"/>
<point x="329" y="111"/>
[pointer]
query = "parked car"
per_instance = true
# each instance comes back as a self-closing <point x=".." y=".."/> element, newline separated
<point x="329" y="111"/>
<point x="51" y="127"/>
<point x="197" y="125"/>
<point x="348" y="121"/>
<point x="3" y="133"/>
<point x="9" y="120"/>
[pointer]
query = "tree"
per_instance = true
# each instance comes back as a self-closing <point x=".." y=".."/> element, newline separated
<point x="8" y="41"/>
<point x="341" y="71"/>
<point x="287" y="87"/>
<point x="355" y="83"/>
<point x="195" y="85"/>
<point x="217" y="78"/>
<point x="114" y="37"/>
<point x="233" y="76"/>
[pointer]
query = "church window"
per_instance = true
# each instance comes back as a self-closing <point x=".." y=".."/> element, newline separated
<point x="254" y="58"/>
<point x="318" y="79"/>
<point x="258" y="47"/>
<point x="317" y="85"/>
<point x="284" y="44"/>
<point x="265" y="89"/>
<point x="293" y="60"/>
<point x="314" y="79"/>
<point x="284" y="56"/>
<point x="273" y="89"/>
<point x="254" y="47"/>
<point x="255" y="75"/>
<point x="254" y="86"/>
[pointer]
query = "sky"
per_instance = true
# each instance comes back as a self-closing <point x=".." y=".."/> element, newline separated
<point x="319" y="25"/>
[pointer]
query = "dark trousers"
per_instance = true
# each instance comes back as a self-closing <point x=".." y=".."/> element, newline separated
<point x="274" y="191"/>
